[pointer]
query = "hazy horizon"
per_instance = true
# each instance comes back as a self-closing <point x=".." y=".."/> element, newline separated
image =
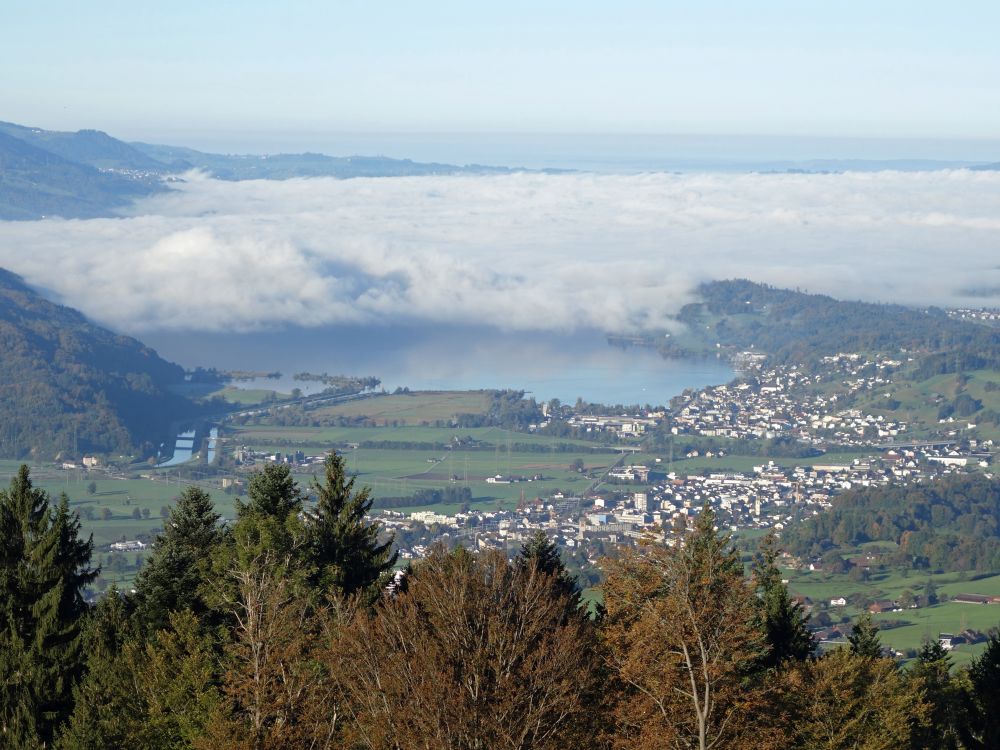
<point x="602" y="152"/>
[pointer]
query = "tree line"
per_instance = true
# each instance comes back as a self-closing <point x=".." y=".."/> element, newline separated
<point x="950" y="524"/>
<point x="291" y="628"/>
<point x="792" y="326"/>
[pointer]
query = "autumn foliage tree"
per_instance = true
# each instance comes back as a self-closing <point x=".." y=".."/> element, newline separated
<point x="850" y="701"/>
<point x="682" y="639"/>
<point x="474" y="652"/>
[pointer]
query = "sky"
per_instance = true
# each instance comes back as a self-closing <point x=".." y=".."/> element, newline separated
<point x="193" y="72"/>
<point x="626" y="84"/>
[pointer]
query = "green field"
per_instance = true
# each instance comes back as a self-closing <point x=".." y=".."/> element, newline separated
<point x="122" y="497"/>
<point x="925" y="622"/>
<point x="398" y="473"/>
<point x="411" y="455"/>
<point x="231" y="393"/>
<point x="260" y="436"/>
<point x="423" y="407"/>
<point x="919" y="402"/>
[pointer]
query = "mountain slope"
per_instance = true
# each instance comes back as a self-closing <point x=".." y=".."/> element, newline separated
<point x="93" y="148"/>
<point x="89" y="173"/>
<point x="35" y="183"/>
<point x="67" y="385"/>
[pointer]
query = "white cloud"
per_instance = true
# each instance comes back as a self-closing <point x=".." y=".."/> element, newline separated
<point x="525" y="251"/>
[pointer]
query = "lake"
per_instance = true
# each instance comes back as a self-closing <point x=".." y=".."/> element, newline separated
<point x="547" y="365"/>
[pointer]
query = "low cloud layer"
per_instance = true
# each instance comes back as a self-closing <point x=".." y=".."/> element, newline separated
<point x="521" y="252"/>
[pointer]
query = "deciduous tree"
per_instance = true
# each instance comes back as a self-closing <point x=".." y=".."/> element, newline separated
<point x="475" y="653"/>
<point x="682" y="638"/>
<point x="844" y="701"/>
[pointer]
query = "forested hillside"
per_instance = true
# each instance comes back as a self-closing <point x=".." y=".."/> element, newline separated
<point x="797" y="327"/>
<point x="71" y="386"/>
<point x="951" y="524"/>
<point x="93" y="148"/>
<point x="36" y="182"/>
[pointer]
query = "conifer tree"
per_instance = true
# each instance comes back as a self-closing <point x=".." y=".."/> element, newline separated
<point x="541" y="554"/>
<point x="982" y="730"/>
<point x="272" y="492"/>
<point x="931" y="673"/>
<point x="172" y="578"/>
<point x="44" y="566"/>
<point x="106" y="707"/>
<point x="344" y="547"/>
<point x="864" y="638"/>
<point x="784" y="622"/>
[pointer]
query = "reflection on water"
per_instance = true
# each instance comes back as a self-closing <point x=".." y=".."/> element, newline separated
<point x="547" y="365"/>
<point x="183" y="449"/>
<point x="213" y="439"/>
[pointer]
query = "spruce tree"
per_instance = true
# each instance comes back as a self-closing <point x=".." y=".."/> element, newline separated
<point x="344" y="546"/>
<point x="44" y="566"/>
<point x="272" y="492"/>
<point x="982" y="729"/>
<point x="864" y="638"/>
<point x="782" y="618"/>
<point x="171" y="580"/>
<point x="931" y="673"/>
<point x="540" y="553"/>
<point x="106" y="708"/>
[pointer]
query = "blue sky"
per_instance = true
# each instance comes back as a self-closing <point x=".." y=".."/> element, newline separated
<point x="145" y="69"/>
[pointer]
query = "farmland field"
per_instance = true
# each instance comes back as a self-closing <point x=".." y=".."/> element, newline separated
<point x="109" y="511"/>
<point x="925" y="622"/>
<point x="425" y="407"/>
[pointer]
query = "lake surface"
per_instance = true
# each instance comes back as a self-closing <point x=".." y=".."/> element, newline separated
<point x="546" y="365"/>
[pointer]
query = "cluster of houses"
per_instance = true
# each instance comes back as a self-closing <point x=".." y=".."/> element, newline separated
<point x="87" y="462"/>
<point x="618" y="425"/>
<point x="245" y="456"/>
<point x="784" y="400"/>
<point x="769" y="496"/>
<point x="980" y="315"/>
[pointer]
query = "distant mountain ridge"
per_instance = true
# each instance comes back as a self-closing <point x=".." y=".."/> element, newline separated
<point x="36" y="182"/>
<point x="89" y="173"/>
<point x="286" y="166"/>
<point x="92" y="148"/>
<point x="69" y="386"/>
